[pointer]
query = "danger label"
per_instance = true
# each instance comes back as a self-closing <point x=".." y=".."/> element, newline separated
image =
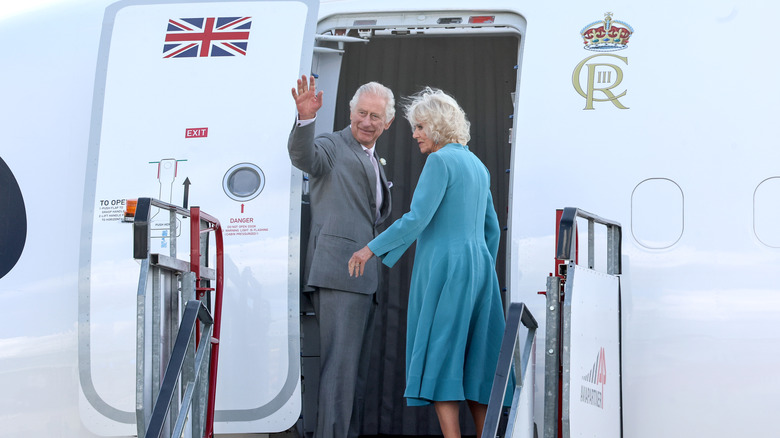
<point x="243" y="229"/>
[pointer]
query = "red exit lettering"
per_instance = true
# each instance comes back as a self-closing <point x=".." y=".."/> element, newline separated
<point x="196" y="132"/>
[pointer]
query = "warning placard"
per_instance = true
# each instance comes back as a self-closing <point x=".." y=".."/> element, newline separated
<point x="110" y="210"/>
<point x="243" y="227"/>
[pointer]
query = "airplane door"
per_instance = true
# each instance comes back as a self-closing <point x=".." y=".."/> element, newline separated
<point x="192" y="105"/>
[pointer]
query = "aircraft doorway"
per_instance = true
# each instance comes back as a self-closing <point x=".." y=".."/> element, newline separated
<point x="480" y="72"/>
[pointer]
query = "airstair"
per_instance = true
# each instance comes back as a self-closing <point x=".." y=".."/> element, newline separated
<point x="178" y="328"/>
<point x="582" y="371"/>
<point x="178" y="332"/>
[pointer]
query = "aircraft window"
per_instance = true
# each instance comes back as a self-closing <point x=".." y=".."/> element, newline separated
<point x="243" y="182"/>
<point x="766" y="212"/>
<point x="657" y="213"/>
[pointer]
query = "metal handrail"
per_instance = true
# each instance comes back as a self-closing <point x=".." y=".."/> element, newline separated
<point x="142" y="235"/>
<point x="567" y="238"/>
<point x="555" y="345"/>
<point x="517" y="313"/>
<point x="194" y="311"/>
<point x="197" y="217"/>
<point x="200" y="223"/>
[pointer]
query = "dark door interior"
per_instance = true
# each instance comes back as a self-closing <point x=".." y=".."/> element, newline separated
<point x="480" y="72"/>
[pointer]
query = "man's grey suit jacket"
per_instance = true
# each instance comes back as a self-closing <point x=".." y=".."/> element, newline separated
<point x="343" y="206"/>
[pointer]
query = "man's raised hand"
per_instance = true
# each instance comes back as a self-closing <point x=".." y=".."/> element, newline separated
<point x="307" y="100"/>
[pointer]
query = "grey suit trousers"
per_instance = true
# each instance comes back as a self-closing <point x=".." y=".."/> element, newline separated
<point x="346" y="323"/>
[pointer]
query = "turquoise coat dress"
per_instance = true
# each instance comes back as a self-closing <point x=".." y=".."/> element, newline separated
<point x="455" y="315"/>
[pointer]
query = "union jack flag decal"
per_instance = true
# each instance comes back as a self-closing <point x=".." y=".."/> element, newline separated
<point x="204" y="37"/>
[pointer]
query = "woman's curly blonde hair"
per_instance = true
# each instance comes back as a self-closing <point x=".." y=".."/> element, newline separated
<point x="444" y="120"/>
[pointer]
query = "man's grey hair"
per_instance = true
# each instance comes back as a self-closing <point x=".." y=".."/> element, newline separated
<point x="376" y="89"/>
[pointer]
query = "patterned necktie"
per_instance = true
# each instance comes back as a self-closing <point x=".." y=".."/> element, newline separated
<point x="378" y="182"/>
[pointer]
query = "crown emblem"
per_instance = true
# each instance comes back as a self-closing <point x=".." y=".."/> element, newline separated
<point x="607" y="35"/>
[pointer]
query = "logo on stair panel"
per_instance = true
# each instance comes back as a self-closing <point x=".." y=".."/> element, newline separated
<point x="590" y="392"/>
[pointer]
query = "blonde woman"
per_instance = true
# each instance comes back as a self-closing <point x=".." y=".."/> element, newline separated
<point x="455" y="316"/>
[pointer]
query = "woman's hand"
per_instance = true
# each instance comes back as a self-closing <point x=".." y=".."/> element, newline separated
<point x="357" y="263"/>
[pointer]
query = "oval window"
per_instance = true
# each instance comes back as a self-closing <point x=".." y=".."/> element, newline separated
<point x="766" y="212"/>
<point x="657" y="213"/>
<point x="243" y="182"/>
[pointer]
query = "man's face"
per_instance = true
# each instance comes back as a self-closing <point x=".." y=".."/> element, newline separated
<point x="368" y="119"/>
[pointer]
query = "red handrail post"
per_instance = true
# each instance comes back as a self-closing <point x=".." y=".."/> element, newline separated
<point x="195" y="235"/>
